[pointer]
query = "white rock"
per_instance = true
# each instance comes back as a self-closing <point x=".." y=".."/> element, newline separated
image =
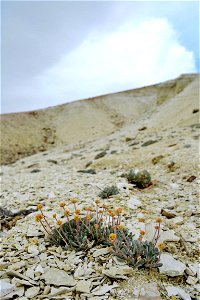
<point x="192" y="269"/>
<point x="174" y="186"/>
<point x="32" y="292"/>
<point x="32" y="231"/>
<point x="58" y="277"/>
<point x="177" y="291"/>
<point x="83" y="286"/>
<point x="171" y="266"/>
<point x="133" y="203"/>
<point x="79" y="272"/>
<point x="18" y="292"/>
<point x="39" y="269"/>
<point x="17" y="265"/>
<point x="33" y="249"/>
<point x="101" y="251"/>
<point x="192" y="280"/>
<point x="102" y="290"/>
<point x="169" y="236"/>
<point x="6" y="288"/>
<point x="30" y="273"/>
<point x="150" y="291"/>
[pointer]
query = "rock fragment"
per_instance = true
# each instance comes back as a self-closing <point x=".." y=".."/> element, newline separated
<point x="58" y="277"/>
<point x="171" y="266"/>
<point x="177" y="291"/>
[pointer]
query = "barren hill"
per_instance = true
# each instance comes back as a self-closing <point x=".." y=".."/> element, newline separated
<point x="72" y="124"/>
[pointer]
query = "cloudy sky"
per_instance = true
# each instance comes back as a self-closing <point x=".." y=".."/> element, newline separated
<point x="55" y="52"/>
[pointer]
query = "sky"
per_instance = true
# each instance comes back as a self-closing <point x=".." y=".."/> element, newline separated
<point x="54" y="52"/>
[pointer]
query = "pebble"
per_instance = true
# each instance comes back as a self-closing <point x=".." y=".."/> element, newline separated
<point x="192" y="280"/>
<point x="171" y="266"/>
<point x="177" y="291"/>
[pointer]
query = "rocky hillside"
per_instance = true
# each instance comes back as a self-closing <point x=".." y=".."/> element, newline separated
<point x="71" y="124"/>
<point x="85" y="147"/>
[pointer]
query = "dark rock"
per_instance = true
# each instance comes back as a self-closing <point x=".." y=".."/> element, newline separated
<point x="90" y="171"/>
<point x="167" y="213"/>
<point x="88" y="164"/>
<point x="156" y="159"/>
<point x="133" y="144"/>
<point x="195" y="110"/>
<point x="52" y="161"/>
<point x="100" y="155"/>
<point x="150" y="142"/>
<point x="191" y="178"/>
<point x="113" y="152"/>
<point x="35" y="171"/>
<point x="142" y="128"/>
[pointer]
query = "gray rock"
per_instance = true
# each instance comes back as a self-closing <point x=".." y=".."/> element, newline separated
<point x="150" y="291"/>
<point x="171" y="266"/>
<point x="58" y="277"/>
<point x="102" y="290"/>
<point x="6" y="288"/>
<point x="177" y="291"/>
<point x="101" y="251"/>
<point x="32" y="292"/>
<point x="83" y="286"/>
<point x="33" y="249"/>
<point x="169" y="236"/>
<point x="133" y="203"/>
<point x="192" y="280"/>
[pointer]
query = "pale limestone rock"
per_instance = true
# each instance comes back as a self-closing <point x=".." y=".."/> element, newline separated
<point x="101" y="251"/>
<point x="32" y="292"/>
<point x="58" y="277"/>
<point x="150" y="291"/>
<point x="6" y="288"/>
<point x="33" y="249"/>
<point x="102" y="290"/>
<point x="133" y="203"/>
<point x="17" y="265"/>
<point x="192" y="269"/>
<point x="39" y="269"/>
<point x="171" y="266"/>
<point x="169" y="236"/>
<point x="192" y="280"/>
<point x="177" y="291"/>
<point x="83" y="286"/>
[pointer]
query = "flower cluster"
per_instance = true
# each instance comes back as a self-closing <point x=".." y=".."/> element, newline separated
<point x="101" y="225"/>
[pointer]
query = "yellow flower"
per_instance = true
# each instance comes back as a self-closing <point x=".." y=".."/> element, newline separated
<point x="73" y="201"/>
<point x="88" y="218"/>
<point x="104" y="206"/>
<point x="161" y="246"/>
<point x="158" y="220"/>
<point x="62" y="204"/>
<point x="77" y="211"/>
<point x="54" y="216"/>
<point x="58" y="222"/>
<point x="142" y="232"/>
<point x="76" y="217"/>
<point x="118" y="210"/>
<point x="88" y="208"/>
<point x="96" y="226"/>
<point x="120" y="227"/>
<point x="66" y="212"/>
<point x="38" y="217"/>
<point x="97" y="201"/>
<point x="141" y="220"/>
<point x="39" y="206"/>
<point x="112" y="237"/>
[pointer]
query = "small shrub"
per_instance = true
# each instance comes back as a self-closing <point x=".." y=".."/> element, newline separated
<point x="141" y="179"/>
<point x="102" y="226"/>
<point x="109" y="191"/>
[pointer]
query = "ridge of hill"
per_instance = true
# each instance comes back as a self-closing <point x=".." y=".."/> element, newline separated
<point x="27" y="133"/>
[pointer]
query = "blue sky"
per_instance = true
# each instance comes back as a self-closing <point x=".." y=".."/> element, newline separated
<point x="55" y="52"/>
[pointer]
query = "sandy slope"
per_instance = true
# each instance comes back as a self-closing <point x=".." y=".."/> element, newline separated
<point x="23" y="134"/>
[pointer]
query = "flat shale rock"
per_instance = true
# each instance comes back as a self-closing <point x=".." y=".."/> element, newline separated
<point x="58" y="277"/>
<point x="171" y="266"/>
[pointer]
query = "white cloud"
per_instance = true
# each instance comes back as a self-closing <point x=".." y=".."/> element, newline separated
<point x="134" y="55"/>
